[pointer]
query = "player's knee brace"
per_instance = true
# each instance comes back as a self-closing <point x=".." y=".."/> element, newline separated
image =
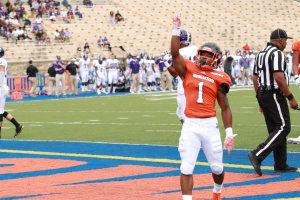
<point x="187" y="168"/>
<point x="5" y="114"/>
<point x="1" y="117"/>
<point x="216" y="169"/>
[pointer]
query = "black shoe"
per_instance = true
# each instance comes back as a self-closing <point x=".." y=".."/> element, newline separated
<point x="285" y="169"/>
<point x="255" y="162"/>
<point x="18" y="130"/>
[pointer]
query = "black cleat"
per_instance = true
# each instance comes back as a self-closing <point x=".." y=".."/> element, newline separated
<point x="18" y="130"/>
<point x="255" y="162"/>
<point x="285" y="169"/>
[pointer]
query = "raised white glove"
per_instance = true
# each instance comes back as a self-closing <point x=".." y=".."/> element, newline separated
<point x="229" y="140"/>
<point x="176" y="21"/>
<point x="297" y="80"/>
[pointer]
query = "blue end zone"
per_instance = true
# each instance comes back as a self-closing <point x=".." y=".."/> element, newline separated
<point x="113" y="155"/>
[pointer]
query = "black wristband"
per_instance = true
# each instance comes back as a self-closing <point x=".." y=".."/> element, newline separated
<point x="290" y="96"/>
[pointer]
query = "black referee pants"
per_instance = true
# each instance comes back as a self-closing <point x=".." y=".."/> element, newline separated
<point x="277" y="117"/>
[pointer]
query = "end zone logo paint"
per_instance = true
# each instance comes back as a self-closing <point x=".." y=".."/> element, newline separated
<point x="73" y="170"/>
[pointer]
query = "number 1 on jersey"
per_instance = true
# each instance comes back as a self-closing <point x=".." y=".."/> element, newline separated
<point x="200" y="92"/>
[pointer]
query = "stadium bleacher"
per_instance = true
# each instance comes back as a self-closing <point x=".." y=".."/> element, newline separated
<point x="231" y="23"/>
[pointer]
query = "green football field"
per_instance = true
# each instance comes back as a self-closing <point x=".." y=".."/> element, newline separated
<point x="138" y="119"/>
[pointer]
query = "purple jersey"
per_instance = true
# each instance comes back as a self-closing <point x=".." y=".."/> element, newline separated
<point x="58" y="66"/>
<point x="135" y="66"/>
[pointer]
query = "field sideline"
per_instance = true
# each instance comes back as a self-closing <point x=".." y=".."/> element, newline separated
<point x="138" y="119"/>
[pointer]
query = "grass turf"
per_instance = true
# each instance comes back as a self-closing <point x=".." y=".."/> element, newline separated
<point x="139" y="119"/>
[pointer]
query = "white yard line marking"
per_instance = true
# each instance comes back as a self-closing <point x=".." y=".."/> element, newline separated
<point x="94" y="120"/>
<point x="122" y="118"/>
<point x="161" y="95"/>
<point x="160" y="99"/>
<point x="166" y="131"/>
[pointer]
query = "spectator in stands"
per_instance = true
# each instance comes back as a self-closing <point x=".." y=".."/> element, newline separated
<point x="88" y="3"/>
<point x="34" y="7"/>
<point x="66" y="4"/>
<point x="14" y="35"/>
<point x="31" y="72"/>
<point x="64" y="17"/>
<point x="86" y="48"/>
<point x="21" y="34"/>
<point x="77" y="12"/>
<point x="100" y="42"/>
<point x="52" y="16"/>
<point x="39" y="19"/>
<point x="118" y="17"/>
<point x="51" y="80"/>
<point x="79" y="52"/>
<point x="70" y="14"/>
<point x="56" y="36"/>
<point x="112" y="17"/>
<point x="40" y="10"/>
<point x="26" y="34"/>
<point x="62" y="35"/>
<point x="60" y="77"/>
<point x="26" y="20"/>
<point x="67" y="35"/>
<point x="39" y="36"/>
<point x="106" y="42"/>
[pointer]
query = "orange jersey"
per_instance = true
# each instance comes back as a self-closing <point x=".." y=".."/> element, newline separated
<point x="201" y="88"/>
<point x="296" y="46"/>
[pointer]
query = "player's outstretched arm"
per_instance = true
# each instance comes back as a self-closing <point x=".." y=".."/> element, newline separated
<point x="226" y="117"/>
<point x="178" y="60"/>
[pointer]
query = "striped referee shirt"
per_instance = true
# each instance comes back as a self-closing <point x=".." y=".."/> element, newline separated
<point x="268" y="61"/>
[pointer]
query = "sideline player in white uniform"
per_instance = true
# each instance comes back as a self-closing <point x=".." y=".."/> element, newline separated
<point x="84" y="69"/>
<point x="100" y="72"/>
<point x="113" y="66"/>
<point x="149" y="67"/>
<point x="188" y="53"/>
<point x="4" y="90"/>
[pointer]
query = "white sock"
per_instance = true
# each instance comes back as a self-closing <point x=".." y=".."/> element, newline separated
<point x="217" y="188"/>
<point x="187" y="197"/>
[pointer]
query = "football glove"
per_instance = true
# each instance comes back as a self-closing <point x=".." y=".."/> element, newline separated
<point x="176" y="21"/>
<point x="229" y="140"/>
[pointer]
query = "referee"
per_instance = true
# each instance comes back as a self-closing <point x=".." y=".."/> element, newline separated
<point x="271" y="86"/>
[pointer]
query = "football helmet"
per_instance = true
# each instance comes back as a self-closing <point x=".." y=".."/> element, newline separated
<point x="208" y="56"/>
<point x="1" y="52"/>
<point x="185" y="37"/>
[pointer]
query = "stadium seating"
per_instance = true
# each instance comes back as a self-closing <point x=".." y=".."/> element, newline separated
<point x="147" y="26"/>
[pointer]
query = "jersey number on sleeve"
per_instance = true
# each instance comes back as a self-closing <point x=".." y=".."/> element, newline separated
<point x="200" y="92"/>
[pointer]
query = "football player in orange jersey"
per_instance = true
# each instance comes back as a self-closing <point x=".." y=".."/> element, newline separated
<point x="203" y="86"/>
<point x="296" y="65"/>
<point x="296" y="61"/>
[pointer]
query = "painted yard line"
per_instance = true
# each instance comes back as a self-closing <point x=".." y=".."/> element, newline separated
<point x="137" y="124"/>
<point x="93" y="111"/>
<point x="172" y="131"/>
<point x="103" y="123"/>
<point x="159" y="99"/>
<point x="155" y="160"/>
<point x="161" y="95"/>
<point x="129" y="144"/>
